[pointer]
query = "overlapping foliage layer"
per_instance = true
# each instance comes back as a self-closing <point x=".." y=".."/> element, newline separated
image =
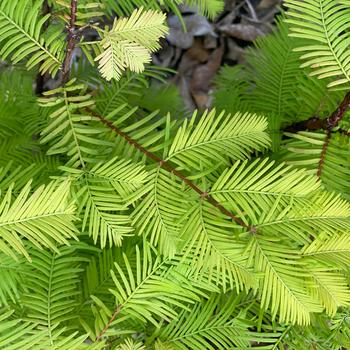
<point x="124" y="228"/>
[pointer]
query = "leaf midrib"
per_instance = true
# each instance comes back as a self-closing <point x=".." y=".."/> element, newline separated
<point x="30" y="38"/>
<point x="71" y="124"/>
<point x="241" y="267"/>
<point x="303" y="218"/>
<point x="325" y="28"/>
<point x="144" y="281"/>
<point x="290" y="291"/>
<point x="208" y="142"/>
<point x="292" y="195"/>
<point x="31" y="218"/>
<point x="202" y="330"/>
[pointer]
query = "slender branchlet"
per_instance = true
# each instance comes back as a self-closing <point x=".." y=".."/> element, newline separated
<point x="331" y="123"/>
<point x="168" y="167"/>
<point x="343" y="132"/>
<point x="71" y="41"/>
<point x="339" y="113"/>
<point x="313" y="123"/>
<point x="328" y="124"/>
<point x="323" y="153"/>
<point x="105" y="329"/>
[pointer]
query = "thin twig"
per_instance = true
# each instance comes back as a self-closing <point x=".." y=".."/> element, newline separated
<point x="323" y="154"/>
<point x="331" y="123"/>
<point x="313" y="123"/>
<point x="105" y="329"/>
<point x="340" y="112"/>
<point x="71" y="39"/>
<point x="342" y="131"/>
<point x="167" y="166"/>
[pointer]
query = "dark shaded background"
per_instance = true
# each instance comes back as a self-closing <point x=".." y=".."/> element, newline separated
<point x="199" y="53"/>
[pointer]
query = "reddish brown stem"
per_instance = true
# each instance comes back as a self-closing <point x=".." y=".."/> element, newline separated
<point x="313" y="123"/>
<point x="167" y="166"/>
<point x="71" y="41"/>
<point x="323" y="153"/>
<point x="339" y="113"/>
<point x="105" y="329"/>
<point x="331" y="123"/>
<point x="343" y="132"/>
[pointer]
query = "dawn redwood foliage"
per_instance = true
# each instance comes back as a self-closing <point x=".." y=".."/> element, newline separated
<point x="126" y="223"/>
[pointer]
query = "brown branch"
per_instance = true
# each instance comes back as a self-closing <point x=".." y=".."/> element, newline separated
<point x="342" y="131"/>
<point x="323" y="154"/>
<point x="40" y="79"/>
<point x="339" y="113"/>
<point x="167" y="166"/>
<point x="71" y="39"/>
<point x="105" y="329"/>
<point x="313" y="123"/>
<point x="331" y="123"/>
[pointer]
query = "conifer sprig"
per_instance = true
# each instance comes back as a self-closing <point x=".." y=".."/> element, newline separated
<point x="127" y="227"/>
<point x="168" y="167"/>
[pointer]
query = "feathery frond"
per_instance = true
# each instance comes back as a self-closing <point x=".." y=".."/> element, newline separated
<point x="280" y="287"/>
<point x="129" y="43"/>
<point x="130" y="344"/>
<point x="217" y="138"/>
<point x="43" y="218"/>
<point x="231" y="84"/>
<point x="159" y="213"/>
<point x="209" y="231"/>
<point x="304" y="149"/>
<point x="21" y="37"/>
<point x="331" y="250"/>
<point x="52" y="298"/>
<point x="209" y="8"/>
<point x="114" y="94"/>
<point x="324" y="24"/>
<point x="254" y="187"/>
<point x="16" y="333"/>
<point x="331" y="289"/>
<point x="102" y="198"/>
<point x="275" y="70"/>
<point x="147" y="290"/>
<point x="300" y="220"/>
<point x="68" y="132"/>
<point x="214" y="248"/>
<point x="10" y="282"/>
<point x="124" y="7"/>
<point x="97" y="278"/>
<point x="215" y="322"/>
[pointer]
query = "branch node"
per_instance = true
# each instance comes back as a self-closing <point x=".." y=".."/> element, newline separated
<point x="253" y="229"/>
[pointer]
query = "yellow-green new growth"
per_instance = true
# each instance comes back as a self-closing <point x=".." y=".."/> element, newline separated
<point x="325" y="26"/>
<point x="130" y="42"/>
